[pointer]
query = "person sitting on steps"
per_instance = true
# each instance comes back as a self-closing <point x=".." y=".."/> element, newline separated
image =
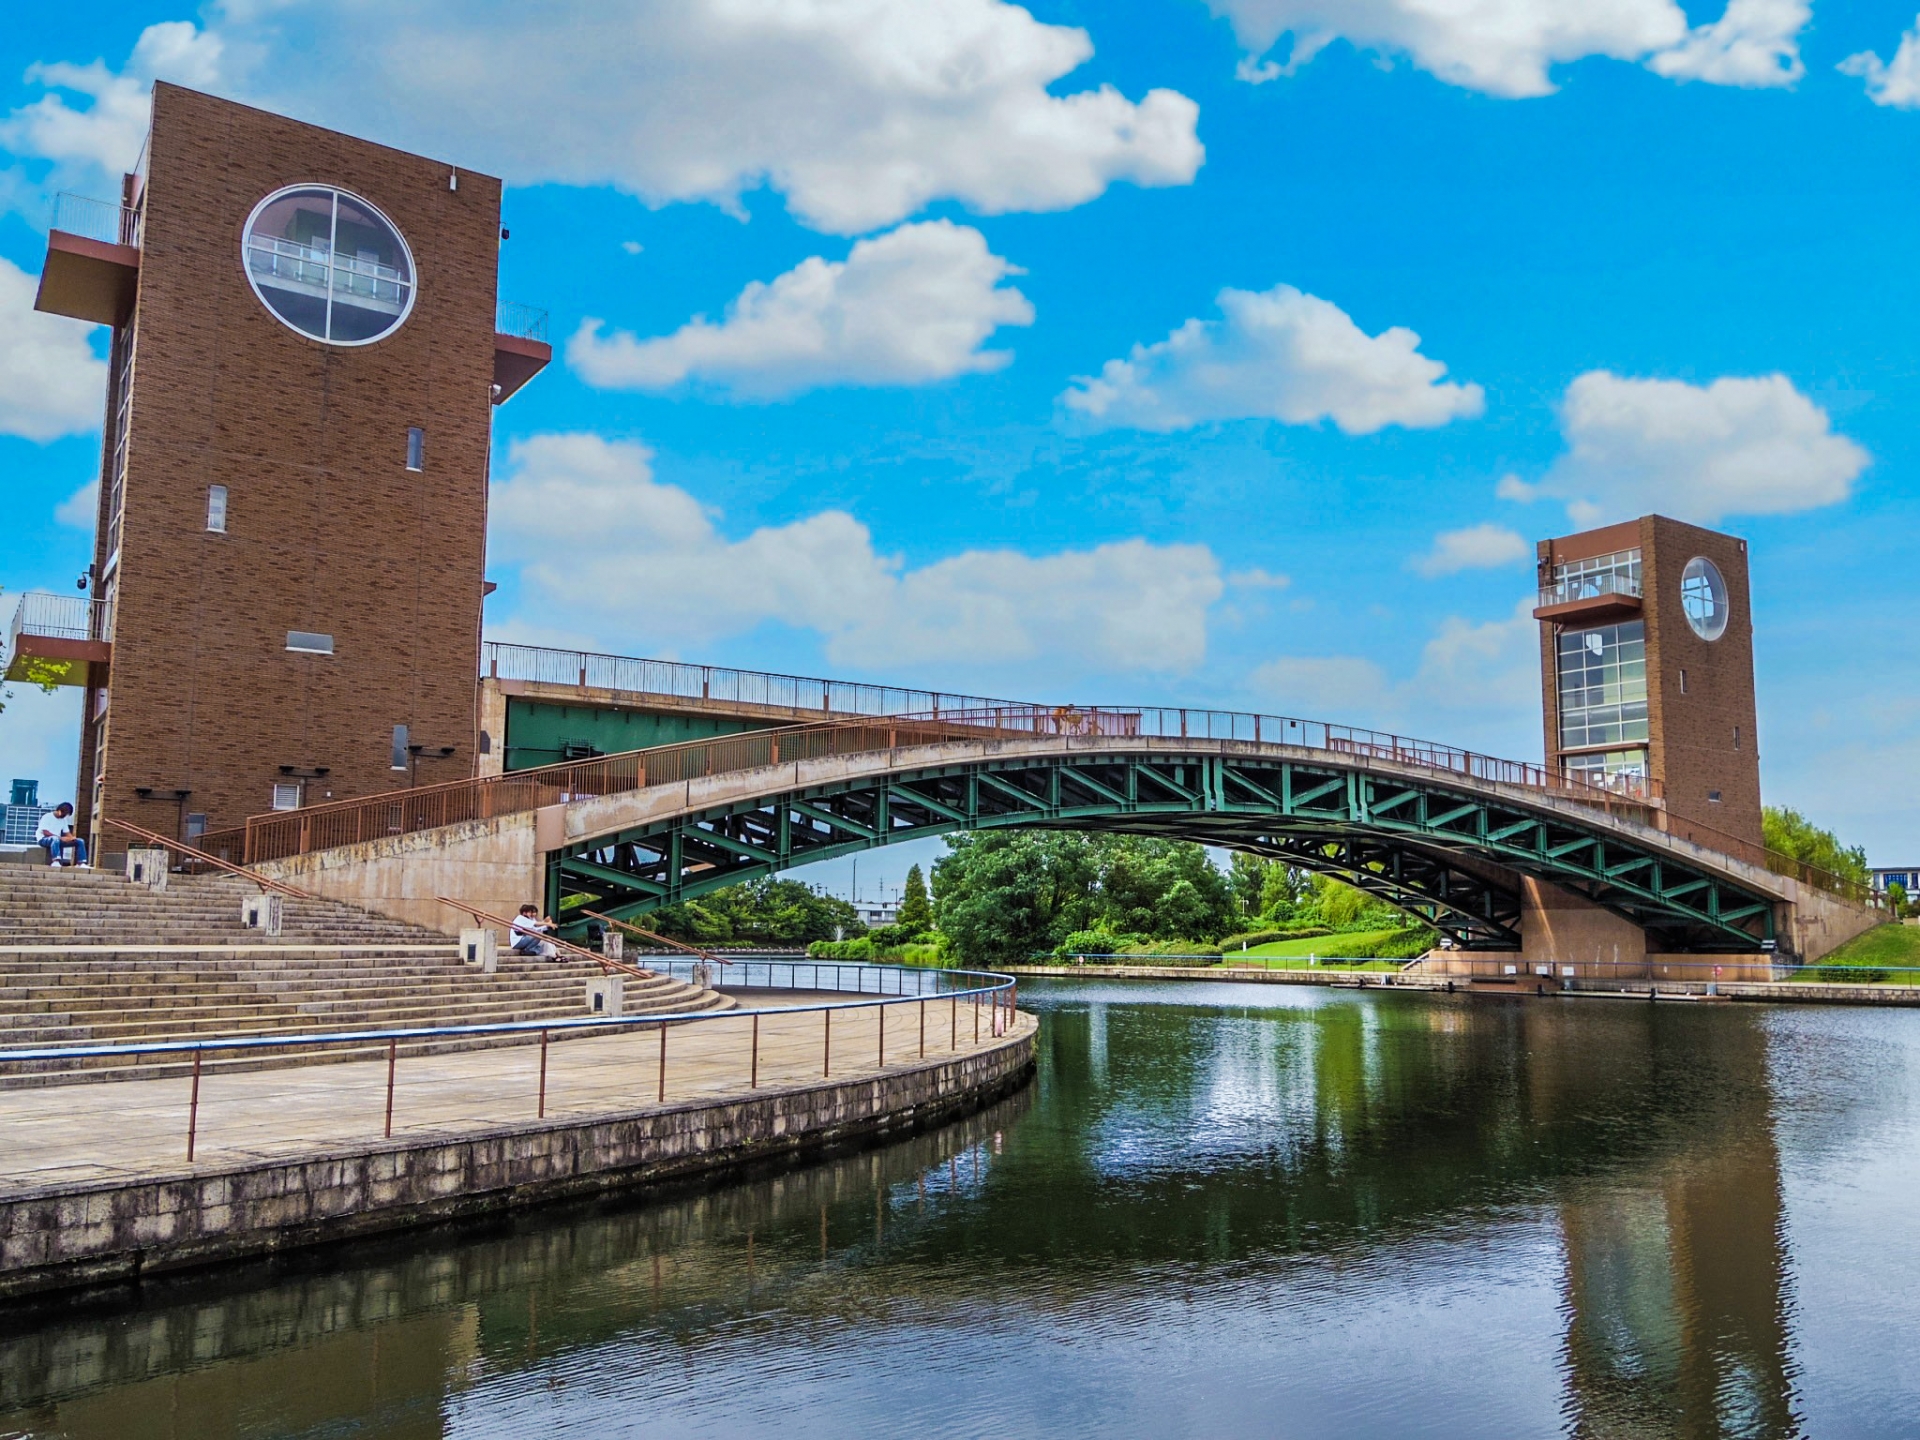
<point x="529" y="929"/>
<point x="58" y="840"/>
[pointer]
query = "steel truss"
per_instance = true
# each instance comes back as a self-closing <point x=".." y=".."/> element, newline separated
<point x="1450" y="856"/>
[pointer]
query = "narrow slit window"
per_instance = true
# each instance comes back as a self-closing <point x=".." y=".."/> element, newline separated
<point x="217" y="509"/>
<point x="1736" y="737"/>
<point x="1683" y="682"/>
<point x="416" y="449"/>
<point x="398" y="760"/>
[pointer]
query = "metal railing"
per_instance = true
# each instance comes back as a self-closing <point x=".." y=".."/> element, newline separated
<point x="941" y="1011"/>
<point x="523" y="322"/>
<point x="345" y="822"/>
<point x="90" y="219"/>
<point x="1597" y="585"/>
<point x="799" y="695"/>
<point x="48" y="616"/>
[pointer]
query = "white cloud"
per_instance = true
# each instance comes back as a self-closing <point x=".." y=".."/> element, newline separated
<point x="81" y="509"/>
<point x="1895" y="82"/>
<point x="1739" y="446"/>
<point x="908" y="307"/>
<point x="662" y="571"/>
<point x="1755" y="44"/>
<point x="51" y="383"/>
<point x="1281" y="355"/>
<point x="1478" y="547"/>
<point x="1482" y="674"/>
<point x="40" y="734"/>
<point x="104" y="131"/>
<point x="860" y="112"/>
<point x="1509" y="47"/>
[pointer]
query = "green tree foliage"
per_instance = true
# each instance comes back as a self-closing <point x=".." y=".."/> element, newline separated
<point x="1792" y="834"/>
<point x="1897" y="899"/>
<point x="758" y="912"/>
<point x="916" y="909"/>
<point x="1002" y="896"/>
<point x="1267" y="889"/>
<point x="43" y="675"/>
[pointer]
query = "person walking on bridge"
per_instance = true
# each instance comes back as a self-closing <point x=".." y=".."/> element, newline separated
<point x="530" y="929"/>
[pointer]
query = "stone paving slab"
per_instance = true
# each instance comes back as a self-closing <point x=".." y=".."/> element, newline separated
<point x="82" y="1134"/>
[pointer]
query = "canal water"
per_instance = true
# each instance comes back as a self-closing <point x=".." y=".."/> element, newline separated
<point x="1220" y="1209"/>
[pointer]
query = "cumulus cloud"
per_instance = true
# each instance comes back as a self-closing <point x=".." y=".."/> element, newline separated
<point x="1478" y="547"/>
<point x="1280" y="354"/>
<point x="1470" y="670"/>
<point x="1739" y="446"/>
<point x="51" y="383"/>
<point x="1895" y="82"/>
<point x="661" y="570"/>
<point x="1509" y="47"/>
<point x="908" y="307"/>
<point x="859" y="112"/>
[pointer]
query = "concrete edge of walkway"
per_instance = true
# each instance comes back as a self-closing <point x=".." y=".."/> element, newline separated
<point x="103" y="1232"/>
<point x="1820" y="992"/>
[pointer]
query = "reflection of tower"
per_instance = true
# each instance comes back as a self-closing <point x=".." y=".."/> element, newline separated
<point x="1675" y="1278"/>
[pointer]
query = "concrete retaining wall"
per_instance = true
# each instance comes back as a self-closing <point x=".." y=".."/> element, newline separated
<point x="73" y="1235"/>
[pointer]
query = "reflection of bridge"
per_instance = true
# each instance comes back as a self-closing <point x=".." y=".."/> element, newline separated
<point x="1496" y="854"/>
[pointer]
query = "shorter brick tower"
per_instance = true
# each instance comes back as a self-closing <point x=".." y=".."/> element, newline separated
<point x="1646" y="668"/>
<point x="292" y="527"/>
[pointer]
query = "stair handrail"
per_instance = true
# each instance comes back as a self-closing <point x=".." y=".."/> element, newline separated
<point x="265" y="882"/>
<point x="628" y="925"/>
<point x="607" y="967"/>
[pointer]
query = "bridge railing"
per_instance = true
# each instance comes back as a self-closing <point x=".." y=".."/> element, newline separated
<point x="345" y="822"/>
<point x="800" y="695"/>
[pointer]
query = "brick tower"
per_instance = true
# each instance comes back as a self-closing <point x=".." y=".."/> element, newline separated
<point x="292" y="522"/>
<point x="1646" y="666"/>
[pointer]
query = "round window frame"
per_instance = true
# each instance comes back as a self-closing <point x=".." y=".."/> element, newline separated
<point x="413" y="265"/>
<point x="1717" y="587"/>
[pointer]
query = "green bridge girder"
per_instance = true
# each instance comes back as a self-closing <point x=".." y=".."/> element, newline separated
<point x="1445" y="853"/>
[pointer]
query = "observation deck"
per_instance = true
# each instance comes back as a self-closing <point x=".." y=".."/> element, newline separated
<point x="92" y="271"/>
<point x="59" y="640"/>
<point x="1591" y="599"/>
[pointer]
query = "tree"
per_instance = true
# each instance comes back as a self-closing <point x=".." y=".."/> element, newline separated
<point x="758" y="912"/>
<point x="916" y="910"/>
<point x="1897" y="898"/>
<point x="1795" y="836"/>
<point x="44" y="675"/>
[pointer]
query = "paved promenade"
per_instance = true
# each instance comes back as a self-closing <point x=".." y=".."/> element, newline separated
<point x="123" y="1130"/>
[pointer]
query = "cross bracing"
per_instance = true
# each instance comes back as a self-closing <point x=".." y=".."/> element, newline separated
<point x="1451" y="853"/>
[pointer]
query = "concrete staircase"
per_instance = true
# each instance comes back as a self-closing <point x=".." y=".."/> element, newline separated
<point x="87" y="958"/>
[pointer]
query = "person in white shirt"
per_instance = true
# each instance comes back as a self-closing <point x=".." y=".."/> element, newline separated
<point x="530" y="928"/>
<point x="58" y="840"/>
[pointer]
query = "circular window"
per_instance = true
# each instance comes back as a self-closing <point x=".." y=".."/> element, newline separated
<point x="1703" y="595"/>
<point x="329" y="265"/>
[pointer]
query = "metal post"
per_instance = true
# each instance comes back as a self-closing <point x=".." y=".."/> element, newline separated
<point x="754" y="1082"/>
<point x="543" y="1075"/>
<point x="923" y="1029"/>
<point x="953" y="1018"/>
<point x="663" y="1062"/>
<point x="826" y="1044"/>
<point x="392" y="1053"/>
<point x="976" y="1017"/>
<point x="883" y="1034"/>
<point x="193" y="1108"/>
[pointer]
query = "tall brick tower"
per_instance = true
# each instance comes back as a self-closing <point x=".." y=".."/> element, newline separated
<point x="292" y="523"/>
<point x="1646" y="667"/>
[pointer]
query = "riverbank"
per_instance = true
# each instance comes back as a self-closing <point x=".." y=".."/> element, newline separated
<point x="94" y="1191"/>
<point x="1817" y="992"/>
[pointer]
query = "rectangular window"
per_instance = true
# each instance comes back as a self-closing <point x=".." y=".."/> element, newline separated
<point x="1683" y="682"/>
<point x="217" y="509"/>
<point x="1736" y="737"/>
<point x="1602" y="685"/>
<point x="399" y="760"/>
<point x="196" y="826"/>
<point x="416" y="449"/>
<point x="307" y="642"/>
<point x="287" y="796"/>
<point x="1713" y="797"/>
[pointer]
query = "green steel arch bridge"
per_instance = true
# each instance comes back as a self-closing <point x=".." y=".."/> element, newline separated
<point x="1452" y="836"/>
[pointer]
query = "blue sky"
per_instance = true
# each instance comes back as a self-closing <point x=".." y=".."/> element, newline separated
<point x="882" y="382"/>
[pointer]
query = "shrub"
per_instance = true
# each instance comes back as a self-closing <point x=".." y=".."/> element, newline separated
<point x="860" y="948"/>
<point x="1251" y="938"/>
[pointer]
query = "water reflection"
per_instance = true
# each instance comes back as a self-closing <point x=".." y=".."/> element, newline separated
<point x="1283" y="1213"/>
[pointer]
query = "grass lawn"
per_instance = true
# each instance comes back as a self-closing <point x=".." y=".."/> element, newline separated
<point x="1291" y="954"/>
<point x="1890" y="948"/>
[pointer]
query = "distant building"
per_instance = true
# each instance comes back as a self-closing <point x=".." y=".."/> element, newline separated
<point x="1907" y="877"/>
<point x="877" y="912"/>
<point x="23" y="812"/>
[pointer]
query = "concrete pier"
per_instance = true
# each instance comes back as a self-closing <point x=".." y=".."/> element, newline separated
<point x="97" y="1188"/>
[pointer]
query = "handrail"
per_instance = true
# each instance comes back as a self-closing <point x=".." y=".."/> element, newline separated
<point x="998" y="984"/>
<point x="265" y="882"/>
<point x="607" y="967"/>
<point x="706" y="955"/>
